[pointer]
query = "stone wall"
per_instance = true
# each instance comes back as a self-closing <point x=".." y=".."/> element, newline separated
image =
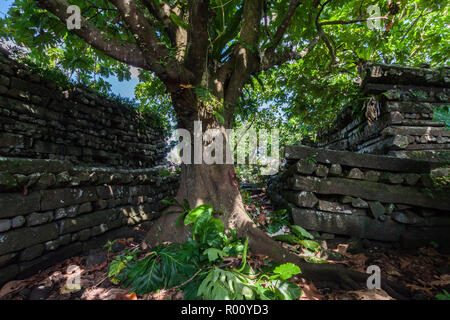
<point x="76" y="169"/>
<point x="42" y="121"/>
<point x="404" y="99"/>
<point x="366" y="196"/>
<point x="51" y="209"/>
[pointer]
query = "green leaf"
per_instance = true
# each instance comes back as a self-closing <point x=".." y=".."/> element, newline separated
<point x="300" y="232"/>
<point x="310" y="245"/>
<point x="289" y="238"/>
<point x="287" y="270"/>
<point x="178" y="21"/>
<point x="213" y="254"/>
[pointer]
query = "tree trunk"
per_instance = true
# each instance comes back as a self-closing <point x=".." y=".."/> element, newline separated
<point x="217" y="186"/>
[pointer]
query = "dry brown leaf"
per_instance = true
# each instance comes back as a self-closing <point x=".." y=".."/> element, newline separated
<point x="262" y="218"/>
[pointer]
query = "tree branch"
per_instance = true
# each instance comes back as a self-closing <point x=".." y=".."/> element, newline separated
<point x="197" y="37"/>
<point x="123" y="51"/>
<point x="283" y="27"/>
<point x="156" y="54"/>
<point x="287" y="55"/>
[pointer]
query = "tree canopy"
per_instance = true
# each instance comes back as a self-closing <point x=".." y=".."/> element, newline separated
<point x="306" y="52"/>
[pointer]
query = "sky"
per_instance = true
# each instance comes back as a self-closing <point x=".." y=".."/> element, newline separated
<point x="124" y="88"/>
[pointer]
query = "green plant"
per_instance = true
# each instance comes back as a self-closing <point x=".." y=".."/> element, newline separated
<point x="210" y="265"/>
<point x="444" y="296"/>
<point x="299" y="236"/>
<point x="276" y="220"/>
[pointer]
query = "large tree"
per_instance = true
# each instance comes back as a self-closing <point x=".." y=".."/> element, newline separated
<point x="205" y="51"/>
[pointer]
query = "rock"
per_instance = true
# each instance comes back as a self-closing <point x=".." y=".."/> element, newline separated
<point x="411" y="178"/>
<point x="372" y="175"/>
<point x="71" y="212"/>
<point x="7" y="181"/>
<point x="306" y="166"/>
<point x="347" y="199"/>
<point x="5" y="225"/>
<point x="326" y="236"/>
<point x="406" y="217"/>
<point x="46" y="180"/>
<point x="18" y="239"/>
<point x="335" y="170"/>
<point x="40" y="293"/>
<point x="360" y="203"/>
<point x="376" y="209"/>
<point x="36" y="219"/>
<point x="32" y="252"/>
<point x="321" y="170"/>
<point x="352" y="225"/>
<point x="85" y="208"/>
<point x="17" y="222"/>
<point x="390" y="208"/>
<point x="304" y="183"/>
<point x="52" y="245"/>
<point x="7" y="259"/>
<point x="302" y="199"/>
<point x="14" y="204"/>
<point x="336" y="207"/>
<point x="355" y="173"/>
<point x="392" y="178"/>
<point x="85" y="234"/>
<point x="95" y="257"/>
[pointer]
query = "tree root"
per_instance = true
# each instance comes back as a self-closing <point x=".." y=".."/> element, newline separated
<point x="323" y="275"/>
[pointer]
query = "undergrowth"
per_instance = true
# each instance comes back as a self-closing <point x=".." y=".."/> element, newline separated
<point x="211" y="265"/>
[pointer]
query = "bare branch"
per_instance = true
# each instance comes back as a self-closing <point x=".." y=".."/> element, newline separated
<point x="123" y="51"/>
<point x="288" y="55"/>
<point x="156" y="53"/>
<point x="334" y="22"/>
<point x="283" y="26"/>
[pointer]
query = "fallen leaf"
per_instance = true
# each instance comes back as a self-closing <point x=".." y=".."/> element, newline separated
<point x="131" y="296"/>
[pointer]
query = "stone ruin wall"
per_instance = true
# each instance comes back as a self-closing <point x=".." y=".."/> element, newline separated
<point x="76" y="170"/>
<point x="406" y="98"/>
<point x="41" y="121"/>
<point x="364" y="196"/>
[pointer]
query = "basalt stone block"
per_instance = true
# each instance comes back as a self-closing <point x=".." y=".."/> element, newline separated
<point x="355" y="173"/>
<point x="15" y="204"/>
<point x="7" y="182"/>
<point x="32" y="252"/>
<point x="376" y="209"/>
<point x="305" y="166"/>
<point x="29" y="268"/>
<point x="18" y="239"/>
<point x="71" y="212"/>
<point x="85" y="221"/>
<point x="360" y="203"/>
<point x="352" y="225"/>
<point x="335" y="170"/>
<point x="5" y="225"/>
<point x="8" y="259"/>
<point x="321" y="170"/>
<point x="36" y="219"/>
<point x="302" y="199"/>
<point x="336" y="207"/>
<point x="8" y="273"/>
<point x="372" y="175"/>
<point x="28" y="166"/>
<point x="59" y="198"/>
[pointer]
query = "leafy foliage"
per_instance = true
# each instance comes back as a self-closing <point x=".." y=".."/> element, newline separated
<point x="204" y="266"/>
<point x="299" y="236"/>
